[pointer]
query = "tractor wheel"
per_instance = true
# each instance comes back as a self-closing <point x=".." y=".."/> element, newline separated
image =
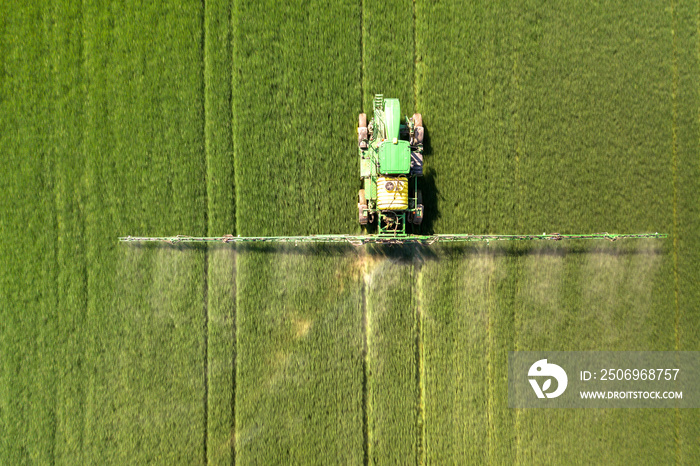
<point x="362" y="138"/>
<point x="361" y="206"/>
<point x="362" y="132"/>
<point x="417" y="129"/>
<point x="418" y="216"/>
<point x="363" y="219"/>
<point x="418" y="133"/>
<point x="417" y="119"/>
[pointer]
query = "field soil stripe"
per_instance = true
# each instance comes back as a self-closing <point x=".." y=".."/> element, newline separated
<point x="365" y="272"/>
<point x="205" y="329"/>
<point x="205" y="289"/>
<point x="365" y="355"/>
<point x="420" y="361"/>
<point x="674" y="147"/>
<point x="361" y="35"/>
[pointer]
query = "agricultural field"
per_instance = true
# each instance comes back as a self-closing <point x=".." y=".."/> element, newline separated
<point x="218" y="117"/>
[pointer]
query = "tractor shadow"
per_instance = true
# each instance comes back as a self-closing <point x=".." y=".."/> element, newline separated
<point x="426" y="184"/>
<point x="417" y="253"/>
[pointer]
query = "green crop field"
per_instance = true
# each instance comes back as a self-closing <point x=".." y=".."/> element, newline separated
<point x="230" y="117"/>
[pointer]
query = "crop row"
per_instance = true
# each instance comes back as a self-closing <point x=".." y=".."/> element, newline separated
<point x="298" y="317"/>
<point x="144" y="173"/>
<point x="103" y="346"/>
<point x="556" y="119"/>
<point x="296" y="82"/>
<point x="29" y="275"/>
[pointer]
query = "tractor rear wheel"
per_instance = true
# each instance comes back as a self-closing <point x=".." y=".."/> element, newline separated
<point x="361" y="208"/>
<point x="418" y="216"/>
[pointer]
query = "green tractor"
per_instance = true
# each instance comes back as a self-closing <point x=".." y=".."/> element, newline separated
<point x="391" y="160"/>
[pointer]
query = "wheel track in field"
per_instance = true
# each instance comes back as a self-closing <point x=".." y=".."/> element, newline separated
<point x="205" y="298"/>
<point x="674" y="145"/>
<point x="415" y="61"/>
<point x="366" y="265"/>
<point x="421" y="447"/>
<point x="220" y="216"/>
<point x="364" y="270"/>
<point x="362" y="55"/>
<point x="420" y="366"/>
<point x="206" y="352"/>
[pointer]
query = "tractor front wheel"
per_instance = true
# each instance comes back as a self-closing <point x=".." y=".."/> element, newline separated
<point x="362" y="132"/>
<point x="417" y="119"/>
<point x="418" y="130"/>
<point x="363" y="120"/>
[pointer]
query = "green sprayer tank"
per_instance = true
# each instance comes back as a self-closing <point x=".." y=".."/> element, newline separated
<point x="391" y="160"/>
